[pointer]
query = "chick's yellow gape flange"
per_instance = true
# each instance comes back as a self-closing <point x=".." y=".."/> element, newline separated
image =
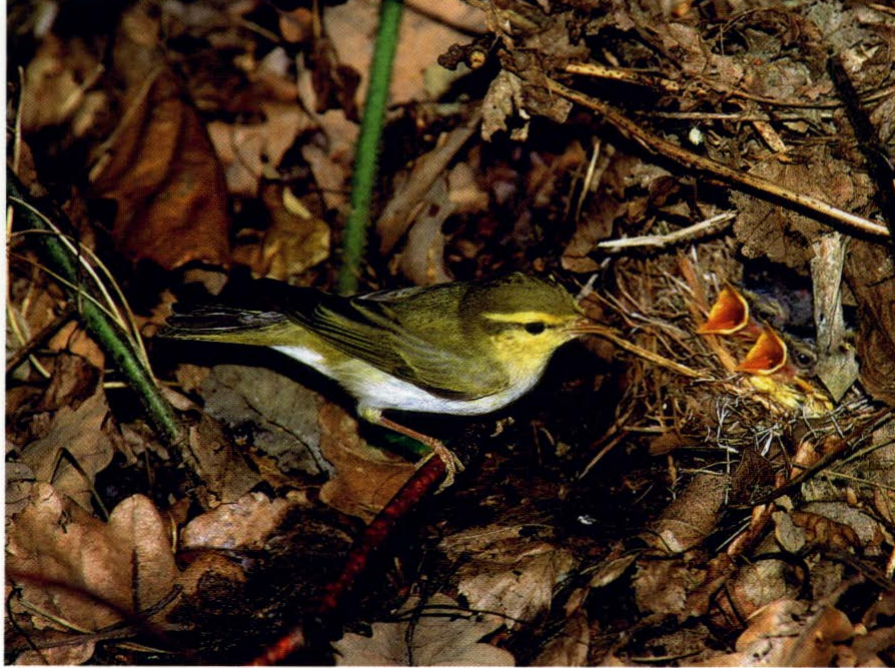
<point x="463" y="348"/>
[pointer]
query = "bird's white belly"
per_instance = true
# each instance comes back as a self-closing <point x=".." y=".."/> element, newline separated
<point x="376" y="389"/>
<point x="306" y="356"/>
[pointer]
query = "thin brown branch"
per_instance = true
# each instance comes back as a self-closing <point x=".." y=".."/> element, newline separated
<point x="687" y="234"/>
<point x="763" y="188"/>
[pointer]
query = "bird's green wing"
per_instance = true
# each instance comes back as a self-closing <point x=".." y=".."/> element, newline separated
<point x="385" y="330"/>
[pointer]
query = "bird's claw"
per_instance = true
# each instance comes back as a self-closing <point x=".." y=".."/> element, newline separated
<point x="452" y="463"/>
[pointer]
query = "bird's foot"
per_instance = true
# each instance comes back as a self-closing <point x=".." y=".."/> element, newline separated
<point x="452" y="463"/>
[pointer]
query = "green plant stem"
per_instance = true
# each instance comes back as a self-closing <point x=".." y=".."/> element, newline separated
<point x="366" y="158"/>
<point x="107" y="334"/>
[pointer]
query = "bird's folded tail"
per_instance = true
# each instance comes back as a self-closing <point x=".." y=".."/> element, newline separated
<point x="220" y="323"/>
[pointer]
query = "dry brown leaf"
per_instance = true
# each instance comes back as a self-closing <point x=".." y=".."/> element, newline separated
<point x="366" y="478"/>
<point x="616" y="179"/>
<point x="757" y="584"/>
<point x="515" y="578"/>
<point x="206" y="569"/>
<point x="292" y="243"/>
<point x="422" y="40"/>
<point x="570" y="645"/>
<point x="159" y="165"/>
<point x="332" y="165"/>
<point x="691" y="517"/>
<point x="695" y="58"/>
<point x="281" y="413"/>
<point x="504" y="100"/>
<point x="881" y="633"/>
<point x="781" y="234"/>
<point x="35" y="310"/>
<point x="838" y="525"/>
<point x="868" y="649"/>
<point x="836" y="365"/>
<point x="879" y="467"/>
<point x="65" y="655"/>
<point x="611" y="570"/>
<point x="19" y="481"/>
<point x="165" y="178"/>
<point x="869" y="270"/>
<point x="88" y="435"/>
<point x="244" y="524"/>
<point x="432" y="639"/>
<point x="423" y="258"/>
<point x="335" y="83"/>
<point x="297" y="25"/>
<point x="56" y="87"/>
<point x="662" y="586"/>
<point x="477" y="540"/>
<point x="73" y="381"/>
<point x="410" y="198"/>
<point x="218" y="462"/>
<point x="752" y="479"/>
<point x="245" y="150"/>
<point x="790" y="536"/>
<point x="122" y="567"/>
<point x="823" y="531"/>
<point x="814" y="645"/>
<point x="465" y="191"/>
<point x="781" y="634"/>
<point x="74" y="338"/>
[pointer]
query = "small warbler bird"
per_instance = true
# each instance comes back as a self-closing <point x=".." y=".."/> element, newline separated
<point x="463" y="348"/>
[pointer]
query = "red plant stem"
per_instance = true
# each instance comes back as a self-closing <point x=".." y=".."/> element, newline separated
<point x="426" y="478"/>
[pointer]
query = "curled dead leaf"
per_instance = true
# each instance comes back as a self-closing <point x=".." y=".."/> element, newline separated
<point x="691" y="517"/>
<point x="662" y="586"/>
<point x="780" y="234"/>
<point x="292" y="243"/>
<point x="218" y="462"/>
<point x="164" y="176"/>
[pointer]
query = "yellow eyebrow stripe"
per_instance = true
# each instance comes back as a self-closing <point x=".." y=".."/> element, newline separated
<point x="523" y="317"/>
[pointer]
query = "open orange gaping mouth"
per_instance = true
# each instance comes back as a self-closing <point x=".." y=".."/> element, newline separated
<point x="729" y="313"/>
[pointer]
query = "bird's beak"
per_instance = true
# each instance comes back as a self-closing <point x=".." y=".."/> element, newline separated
<point x="768" y="355"/>
<point x="729" y="314"/>
<point x="583" y="326"/>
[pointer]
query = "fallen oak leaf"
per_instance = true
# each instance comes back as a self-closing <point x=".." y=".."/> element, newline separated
<point x="84" y="571"/>
<point x="78" y="443"/>
<point x="432" y="637"/>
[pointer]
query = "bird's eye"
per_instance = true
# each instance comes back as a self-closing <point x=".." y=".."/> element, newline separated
<point x="535" y="327"/>
<point x="804" y="359"/>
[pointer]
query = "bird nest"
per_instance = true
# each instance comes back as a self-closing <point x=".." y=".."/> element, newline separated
<point x="707" y="395"/>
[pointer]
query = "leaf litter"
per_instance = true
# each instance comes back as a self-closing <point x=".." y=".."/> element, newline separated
<point x="623" y="513"/>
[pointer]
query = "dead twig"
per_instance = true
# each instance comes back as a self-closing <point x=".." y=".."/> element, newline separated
<point x="628" y="76"/>
<point x="687" y="234"/>
<point x="618" y="339"/>
<point x="749" y="182"/>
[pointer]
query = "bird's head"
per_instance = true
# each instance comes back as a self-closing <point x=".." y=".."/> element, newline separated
<point x="526" y="318"/>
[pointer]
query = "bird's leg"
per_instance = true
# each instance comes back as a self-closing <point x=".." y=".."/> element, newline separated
<point x="452" y="463"/>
